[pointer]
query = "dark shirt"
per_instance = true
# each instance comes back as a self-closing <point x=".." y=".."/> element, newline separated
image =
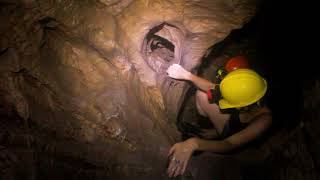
<point x="233" y="125"/>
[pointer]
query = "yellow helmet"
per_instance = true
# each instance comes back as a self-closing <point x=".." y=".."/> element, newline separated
<point x="241" y="88"/>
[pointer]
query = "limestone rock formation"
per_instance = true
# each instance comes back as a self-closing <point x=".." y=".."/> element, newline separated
<point x="91" y="73"/>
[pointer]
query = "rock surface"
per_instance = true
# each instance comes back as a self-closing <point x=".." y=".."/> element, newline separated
<point x="77" y="74"/>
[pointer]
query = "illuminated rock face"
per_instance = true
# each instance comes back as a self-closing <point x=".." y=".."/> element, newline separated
<point x="93" y="72"/>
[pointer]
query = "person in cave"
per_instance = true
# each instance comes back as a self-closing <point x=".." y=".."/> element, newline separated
<point x="234" y="107"/>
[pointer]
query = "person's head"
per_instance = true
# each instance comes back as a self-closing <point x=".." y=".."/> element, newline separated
<point x="241" y="88"/>
<point x="237" y="62"/>
<point x="234" y="63"/>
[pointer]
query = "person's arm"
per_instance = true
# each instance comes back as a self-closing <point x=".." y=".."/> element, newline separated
<point x="201" y="83"/>
<point x="254" y="130"/>
<point x="181" y="152"/>
<point x="178" y="72"/>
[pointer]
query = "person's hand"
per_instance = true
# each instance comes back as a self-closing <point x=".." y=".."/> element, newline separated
<point x="180" y="154"/>
<point x="178" y="72"/>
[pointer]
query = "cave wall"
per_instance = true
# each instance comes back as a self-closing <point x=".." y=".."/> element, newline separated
<point x="76" y="75"/>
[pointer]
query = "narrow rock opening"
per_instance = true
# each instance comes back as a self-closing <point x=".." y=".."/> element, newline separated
<point x="159" y="46"/>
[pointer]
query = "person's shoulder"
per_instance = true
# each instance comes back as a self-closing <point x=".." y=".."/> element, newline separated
<point x="265" y="109"/>
<point x="262" y="111"/>
<point x="257" y="113"/>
